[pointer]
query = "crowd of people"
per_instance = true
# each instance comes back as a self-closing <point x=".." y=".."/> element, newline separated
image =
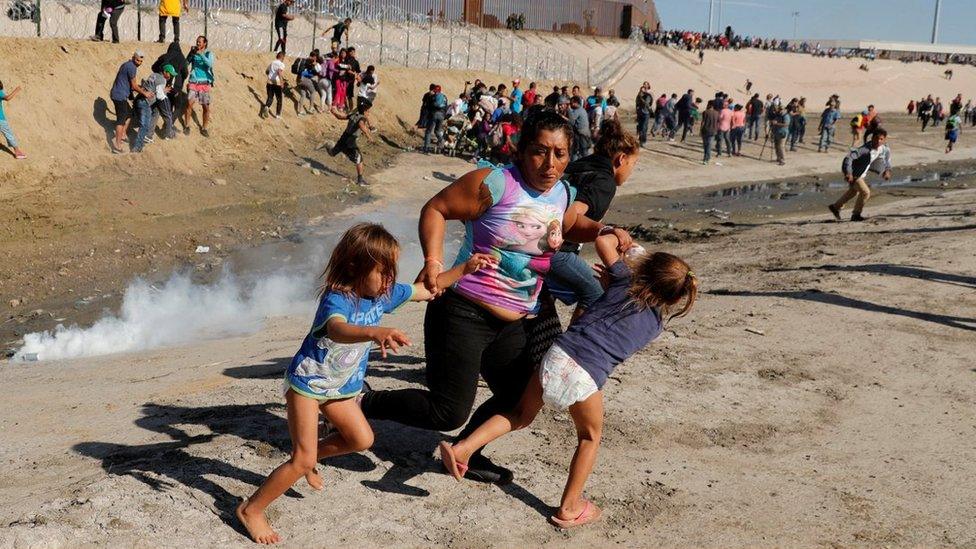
<point x="928" y="110"/>
<point x="484" y="120"/>
<point x="729" y="40"/>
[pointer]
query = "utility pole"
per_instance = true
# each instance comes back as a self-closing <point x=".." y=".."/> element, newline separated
<point x="935" y="24"/>
<point x="796" y="17"/>
<point x="711" y="7"/>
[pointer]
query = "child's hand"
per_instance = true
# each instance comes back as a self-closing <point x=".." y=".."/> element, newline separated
<point x="389" y="338"/>
<point x="602" y="274"/>
<point x="478" y="262"/>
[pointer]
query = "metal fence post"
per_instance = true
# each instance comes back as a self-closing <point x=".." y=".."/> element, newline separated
<point x="499" y="54"/>
<point x="450" y="55"/>
<point x="382" y="19"/>
<point x="587" y="72"/>
<point x="271" y="43"/>
<point x="315" y="21"/>
<point x="206" y="18"/>
<point x="486" y="52"/>
<point x="430" y="32"/>
<point x="406" y="51"/>
<point x="139" y="20"/>
<point x="469" y="48"/>
<point x="37" y="15"/>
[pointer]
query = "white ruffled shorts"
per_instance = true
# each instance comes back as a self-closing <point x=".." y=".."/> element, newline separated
<point x="564" y="382"/>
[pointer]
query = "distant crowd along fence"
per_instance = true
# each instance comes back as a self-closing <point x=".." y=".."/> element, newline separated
<point x="412" y="33"/>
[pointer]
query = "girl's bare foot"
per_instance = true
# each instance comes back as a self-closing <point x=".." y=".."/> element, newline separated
<point x="257" y="525"/>
<point x="314" y="479"/>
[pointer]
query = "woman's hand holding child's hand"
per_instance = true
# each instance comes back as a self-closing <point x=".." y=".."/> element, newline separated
<point x="389" y="338"/>
<point x="478" y="262"/>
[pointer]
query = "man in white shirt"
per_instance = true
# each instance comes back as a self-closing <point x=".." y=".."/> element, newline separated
<point x="875" y="157"/>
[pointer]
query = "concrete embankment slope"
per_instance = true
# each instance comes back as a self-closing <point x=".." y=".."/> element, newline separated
<point x="889" y="85"/>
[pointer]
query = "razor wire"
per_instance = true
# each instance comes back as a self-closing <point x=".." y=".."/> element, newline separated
<point x="385" y="32"/>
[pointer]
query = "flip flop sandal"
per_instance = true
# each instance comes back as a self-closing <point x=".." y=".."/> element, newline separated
<point x="453" y="466"/>
<point x="590" y="513"/>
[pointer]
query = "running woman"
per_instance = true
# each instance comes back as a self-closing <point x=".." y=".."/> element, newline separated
<point x="642" y="294"/>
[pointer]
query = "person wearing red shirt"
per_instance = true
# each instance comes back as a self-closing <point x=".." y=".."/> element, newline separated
<point x="530" y="96"/>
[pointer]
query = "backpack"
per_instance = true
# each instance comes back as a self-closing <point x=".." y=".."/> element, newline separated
<point x="298" y="65"/>
<point x="440" y="101"/>
<point x="856" y="122"/>
<point x="496" y="137"/>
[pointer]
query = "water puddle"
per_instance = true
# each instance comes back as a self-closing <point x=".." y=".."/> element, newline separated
<point x="688" y="211"/>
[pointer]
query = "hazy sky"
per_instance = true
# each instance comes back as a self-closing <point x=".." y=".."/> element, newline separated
<point x="901" y="20"/>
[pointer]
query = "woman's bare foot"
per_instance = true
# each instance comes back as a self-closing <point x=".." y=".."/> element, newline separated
<point x="314" y="479"/>
<point x="257" y="525"/>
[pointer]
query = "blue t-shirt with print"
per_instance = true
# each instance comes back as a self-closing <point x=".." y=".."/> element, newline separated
<point x="612" y="329"/>
<point x="325" y="369"/>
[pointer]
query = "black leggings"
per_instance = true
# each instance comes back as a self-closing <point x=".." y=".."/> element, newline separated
<point x="274" y="92"/>
<point x="462" y="340"/>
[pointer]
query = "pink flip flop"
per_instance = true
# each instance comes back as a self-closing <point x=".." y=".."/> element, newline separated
<point x="453" y="466"/>
<point x="590" y="513"/>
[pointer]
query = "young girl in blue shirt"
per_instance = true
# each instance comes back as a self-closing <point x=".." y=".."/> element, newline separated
<point x="326" y="375"/>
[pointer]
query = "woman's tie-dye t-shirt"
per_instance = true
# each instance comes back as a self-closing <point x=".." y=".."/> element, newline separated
<point x="523" y="229"/>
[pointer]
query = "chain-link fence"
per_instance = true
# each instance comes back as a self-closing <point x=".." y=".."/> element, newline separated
<point x="409" y="33"/>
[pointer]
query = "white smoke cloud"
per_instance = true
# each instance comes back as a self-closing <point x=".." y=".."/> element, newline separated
<point x="177" y="312"/>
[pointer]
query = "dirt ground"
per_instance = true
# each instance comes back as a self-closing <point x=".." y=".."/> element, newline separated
<point x="815" y="397"/>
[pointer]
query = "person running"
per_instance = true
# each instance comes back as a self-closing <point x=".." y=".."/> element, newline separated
<point x="911" y="107"/>
<point x="326" y="374"/>
<point x="531" y="96"/>
<point x="5" y="129"/>
<point x="828" y="120"/>
<point x="172" y="9"/>
<point x="275" y="86"/>
<point x="124" y="86"/>
<point x="340" y="28"/>
<point x="937" y="112"/>
<point x="708" y="130"/>
<point x="356" y="122"/>
<point x="875" y="157"/>
<point x="200" y="84"/>
<point x="479" y="328"/>
<point x="281" y="19"/>
<point x="643" y="294"/>
<point x="953" y="127"/>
